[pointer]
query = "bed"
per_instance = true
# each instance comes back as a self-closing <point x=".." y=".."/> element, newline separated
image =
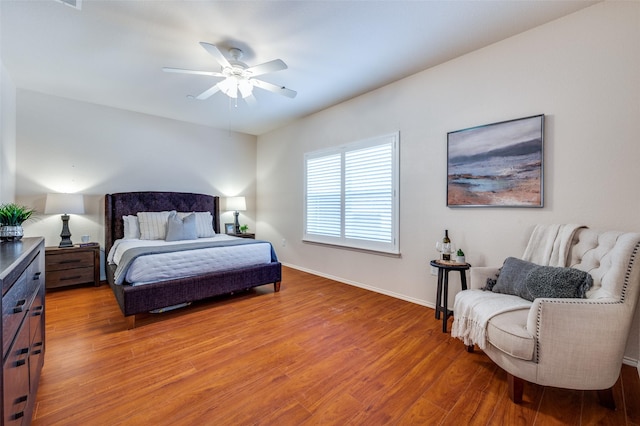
<point x="167" y="293"/>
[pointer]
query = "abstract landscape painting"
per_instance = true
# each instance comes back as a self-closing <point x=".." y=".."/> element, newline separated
<point x="497" y="165"/>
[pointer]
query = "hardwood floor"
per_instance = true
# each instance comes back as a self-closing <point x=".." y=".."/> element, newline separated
<point x="317" y="352"/>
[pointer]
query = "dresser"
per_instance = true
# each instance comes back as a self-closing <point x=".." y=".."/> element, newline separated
<point x="22" y="278"/>
<point x="72" y="265"/>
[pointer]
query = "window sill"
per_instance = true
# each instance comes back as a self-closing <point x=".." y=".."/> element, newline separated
<point x="351" y="248"/>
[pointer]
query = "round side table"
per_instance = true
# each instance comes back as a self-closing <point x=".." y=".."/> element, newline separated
<point x="444" y="268"/>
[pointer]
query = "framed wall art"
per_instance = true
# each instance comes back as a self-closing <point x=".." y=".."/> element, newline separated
<point x="496" y="165"/>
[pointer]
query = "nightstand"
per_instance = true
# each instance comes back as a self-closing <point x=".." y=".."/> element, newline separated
<point x="72" y="265"/>
<point x="245" y="235"/>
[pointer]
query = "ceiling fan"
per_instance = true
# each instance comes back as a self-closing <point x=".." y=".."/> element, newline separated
<point x="239" y="78"/>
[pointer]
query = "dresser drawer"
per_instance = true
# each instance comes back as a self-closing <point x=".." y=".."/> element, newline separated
<point x="36" y="315"/>
<point x="16" y="379"/>
<point x="15" y="273"/>
<point x="72" y="259"/>
<point x="15" y="304"/>
<point x="69" y="277"/>
<point x="14" y="308"/>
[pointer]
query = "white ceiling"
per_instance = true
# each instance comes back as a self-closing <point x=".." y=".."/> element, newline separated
<point x="112" y="52"/>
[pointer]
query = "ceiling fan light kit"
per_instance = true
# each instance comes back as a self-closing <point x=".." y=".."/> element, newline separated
<point x="238" y="78"/>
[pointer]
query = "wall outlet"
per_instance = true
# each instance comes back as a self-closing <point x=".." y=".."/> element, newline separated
<point x="434" y="270"/>
<point x="284" y="242"/>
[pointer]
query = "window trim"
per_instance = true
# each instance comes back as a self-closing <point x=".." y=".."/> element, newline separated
<point x="392" y="247"/>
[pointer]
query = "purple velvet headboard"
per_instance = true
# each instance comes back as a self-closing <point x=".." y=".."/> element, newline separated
<point x="125" y="203"/>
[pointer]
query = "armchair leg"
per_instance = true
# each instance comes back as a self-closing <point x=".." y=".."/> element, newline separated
<point x="605" y="396"/>
<point x="516" y="387"/>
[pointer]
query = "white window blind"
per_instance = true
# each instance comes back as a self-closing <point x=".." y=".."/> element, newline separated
<point x="351" y="195"/>
<point x="324" y="195"/>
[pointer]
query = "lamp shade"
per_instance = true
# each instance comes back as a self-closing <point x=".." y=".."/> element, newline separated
<point x="64" y="204"/>
<point x="236" y="204"/>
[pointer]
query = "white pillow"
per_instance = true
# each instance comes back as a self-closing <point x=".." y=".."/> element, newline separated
<point x="204" y="223"/>
<point x="131" y="227"/>
<point x="153" y="225"/>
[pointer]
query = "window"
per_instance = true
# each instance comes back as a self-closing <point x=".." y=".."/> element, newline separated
<point x="351" y="195"/>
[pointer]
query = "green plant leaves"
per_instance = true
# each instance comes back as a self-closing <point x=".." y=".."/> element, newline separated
<point x="12" y="214"/>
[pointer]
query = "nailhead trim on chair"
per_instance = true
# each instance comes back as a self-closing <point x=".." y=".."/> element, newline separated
<point x="626" y="277"/>
<point x="623" y="294"/>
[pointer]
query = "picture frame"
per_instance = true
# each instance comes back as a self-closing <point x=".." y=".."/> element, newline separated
<point x="229" y="228"/>
<point x="497" y="165"/>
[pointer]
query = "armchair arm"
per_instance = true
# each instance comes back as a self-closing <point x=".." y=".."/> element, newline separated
<point x="578" y="335"/>
<point x="478" y="275"/>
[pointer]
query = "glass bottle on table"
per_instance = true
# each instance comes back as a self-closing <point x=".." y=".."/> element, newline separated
<point x="447" y="246"/>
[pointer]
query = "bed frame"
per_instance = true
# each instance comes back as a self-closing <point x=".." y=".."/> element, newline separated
<point x="142" y="299"/>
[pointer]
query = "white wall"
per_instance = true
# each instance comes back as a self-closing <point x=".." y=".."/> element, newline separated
<point x="582" y="71"/>
<point x="70" y="146"/>
<point x="7" y="137"/>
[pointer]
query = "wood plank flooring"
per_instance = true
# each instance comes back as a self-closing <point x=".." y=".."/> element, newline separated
<point x="316" y="353"/>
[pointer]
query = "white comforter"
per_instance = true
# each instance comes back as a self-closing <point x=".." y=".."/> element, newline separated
<point x="165" y="266"/>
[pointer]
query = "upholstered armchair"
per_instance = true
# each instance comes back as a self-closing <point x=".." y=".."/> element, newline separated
<point x="566" y="342"/>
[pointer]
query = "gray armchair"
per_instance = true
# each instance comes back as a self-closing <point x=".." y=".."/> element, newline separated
<point x="563" y="342"/>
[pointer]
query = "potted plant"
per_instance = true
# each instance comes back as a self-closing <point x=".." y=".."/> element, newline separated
<point x="11" y="218"/>
<point x="244" y="228"/>
<point x="460" y="256"/>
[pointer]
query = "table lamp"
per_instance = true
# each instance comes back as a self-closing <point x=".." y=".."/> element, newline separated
<point x="64" y="204"/>
<point x="237" y="204"/>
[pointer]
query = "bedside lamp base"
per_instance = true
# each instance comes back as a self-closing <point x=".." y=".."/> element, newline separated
<point x="65" y="234"/>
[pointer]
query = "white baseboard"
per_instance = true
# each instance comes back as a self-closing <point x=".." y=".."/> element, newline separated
<point x="632" y="362"/>
<point x="364" y="286"/>
<point x="626" y="360"/>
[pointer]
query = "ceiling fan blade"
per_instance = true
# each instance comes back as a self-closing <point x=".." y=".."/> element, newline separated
<point x="271" y="66"/>
<point x="183" y="71"/>
<point x="251" y="100"/>
<point x="274" y="88"/>
<point x="213" y="51"/>
<point x="207" y="93"/>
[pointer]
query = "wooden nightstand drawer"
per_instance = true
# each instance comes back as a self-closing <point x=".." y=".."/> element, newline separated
<point x="62" y="261"/>
<point x="69" y="277"/>
<point x="72" y="265"/>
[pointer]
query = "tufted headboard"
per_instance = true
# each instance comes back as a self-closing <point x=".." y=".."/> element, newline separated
<point x="130" y="203"/>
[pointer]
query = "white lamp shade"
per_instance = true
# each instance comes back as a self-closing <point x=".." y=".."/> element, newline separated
<point x="64" y="204"/>
<point x="236" y="204"/>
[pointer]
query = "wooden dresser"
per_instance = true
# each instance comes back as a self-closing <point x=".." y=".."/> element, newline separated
<point x="22" y="278"/>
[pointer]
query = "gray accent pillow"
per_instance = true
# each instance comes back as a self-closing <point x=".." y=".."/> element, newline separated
<point x="530" y="281"/>
<point x="181" y="229"/>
